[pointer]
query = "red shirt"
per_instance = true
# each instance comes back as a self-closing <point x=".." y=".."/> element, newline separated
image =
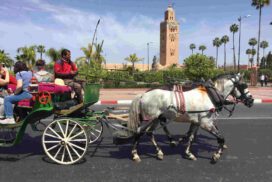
<point x="12" y="79"/>
<point x="63" y="69"/>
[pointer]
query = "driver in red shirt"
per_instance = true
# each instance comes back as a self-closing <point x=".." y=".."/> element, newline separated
<point x="67" y="70"/>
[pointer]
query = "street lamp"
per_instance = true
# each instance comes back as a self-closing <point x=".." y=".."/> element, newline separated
<point x="240" y="27"/>
<point x="148" y="54"/>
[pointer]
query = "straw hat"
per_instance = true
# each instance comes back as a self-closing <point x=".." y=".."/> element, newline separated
<point x="59" y="81"/>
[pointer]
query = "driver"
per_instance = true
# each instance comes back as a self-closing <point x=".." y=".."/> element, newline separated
<point x="67" y="70"/>
<point x="23" y="77"/>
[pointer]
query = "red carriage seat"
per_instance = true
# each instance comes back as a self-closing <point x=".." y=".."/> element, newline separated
<point x="47" y="87"/>
<point x="53" y="88"/>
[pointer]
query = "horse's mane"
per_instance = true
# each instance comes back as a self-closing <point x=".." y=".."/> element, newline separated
<point x="224" y="75"/>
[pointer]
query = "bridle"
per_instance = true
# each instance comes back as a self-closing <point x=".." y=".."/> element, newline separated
<point x="244" y="97"/>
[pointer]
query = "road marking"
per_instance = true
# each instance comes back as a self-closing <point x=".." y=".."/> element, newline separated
<point x="245" y="118"/>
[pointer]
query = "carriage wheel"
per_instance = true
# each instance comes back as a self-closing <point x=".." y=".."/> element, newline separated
<point x="65" y="141"/>
<point x="95" y="131"/>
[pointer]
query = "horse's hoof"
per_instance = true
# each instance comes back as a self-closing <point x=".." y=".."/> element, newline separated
<point x="136" y="159"/>
<point x="191" y="157"/>
<point x="225" y="146"/>
<point x="160" y="155"/>
<point x="173" y="144"/>
<point x="215" y="158"/>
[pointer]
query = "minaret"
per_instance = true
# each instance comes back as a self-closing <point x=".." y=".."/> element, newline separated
<point x="169" y="39"/>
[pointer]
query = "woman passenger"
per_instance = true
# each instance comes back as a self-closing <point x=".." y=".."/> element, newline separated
<point x="23" y="77"/>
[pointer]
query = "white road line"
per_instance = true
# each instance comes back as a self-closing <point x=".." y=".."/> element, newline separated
<point x="245" y="118"/>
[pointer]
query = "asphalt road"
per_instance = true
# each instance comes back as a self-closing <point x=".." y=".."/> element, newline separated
<point x="248" y="157"/>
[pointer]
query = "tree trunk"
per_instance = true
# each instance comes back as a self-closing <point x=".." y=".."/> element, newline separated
<point x="234" y="60"/>
<point x="259" y="34"/>
<point x="216" y="56"/>
<point x="225" y="57"/>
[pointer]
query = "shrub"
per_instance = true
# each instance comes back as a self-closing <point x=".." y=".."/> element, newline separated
<point x="199" y="66"/>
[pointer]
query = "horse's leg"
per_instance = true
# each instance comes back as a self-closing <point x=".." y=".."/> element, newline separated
<point x="150" y="132"/>
<point x="158" y="149"/>
<point x="191" y="135"/>
<point x="192" y="130"/>
<point x="173" y="143"/>
<point x="134" y="153"/>
<point x="221" y="142"/>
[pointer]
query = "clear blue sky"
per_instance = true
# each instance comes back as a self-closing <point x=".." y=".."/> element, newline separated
<point x="127" y="25"/>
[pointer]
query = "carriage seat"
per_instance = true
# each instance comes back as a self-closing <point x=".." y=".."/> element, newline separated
<point x="43" y="86"/>
<point x="53" y="88"/>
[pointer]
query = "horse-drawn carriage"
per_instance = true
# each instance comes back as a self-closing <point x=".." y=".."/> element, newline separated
<point x="65" y="140"/>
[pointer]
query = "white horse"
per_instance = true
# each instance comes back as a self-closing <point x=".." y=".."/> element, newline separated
<point x="149" y="109"/>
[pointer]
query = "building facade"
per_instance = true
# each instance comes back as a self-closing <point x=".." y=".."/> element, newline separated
<point x="169" y="39"/>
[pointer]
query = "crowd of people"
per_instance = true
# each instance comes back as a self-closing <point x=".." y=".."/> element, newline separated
<point x="16" y="88"/>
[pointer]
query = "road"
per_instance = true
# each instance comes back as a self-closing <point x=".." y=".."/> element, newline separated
<point x="248" y="157"/>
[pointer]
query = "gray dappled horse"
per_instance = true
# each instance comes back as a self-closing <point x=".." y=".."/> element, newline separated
<point x="194" y="106"/>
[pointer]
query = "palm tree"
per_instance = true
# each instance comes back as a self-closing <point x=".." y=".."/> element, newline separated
<point x="41" y="50"/>
<point x="27" y="55"/>
<point x="202" y="48"/>
<point x="259" y="4"/>
<point x="224" y="40"/>
<point x="53" y="54"/>
<point x="252" y="42"/>
<point x="5" y="59"/>
<point x="99" y="59"/>
<point x="192" y="47"/>
<point x="264" y="44"/>
<point x="217" y="43"/>
<point x="88" y="55"/>
<point x="133" y="59"/>
<point x="253" y="53"/>
<point x="234" y="28"/>
<point x="92" y="54"/>
<point x="248" y="52"/>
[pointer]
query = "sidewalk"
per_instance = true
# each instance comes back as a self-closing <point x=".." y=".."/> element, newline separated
<point x="124" y="96"/>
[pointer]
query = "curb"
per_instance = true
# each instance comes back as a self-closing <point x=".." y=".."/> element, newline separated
<point x="128" y="102"/>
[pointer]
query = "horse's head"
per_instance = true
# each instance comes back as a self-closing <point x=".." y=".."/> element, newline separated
<point x="233" y="85"/>
<point x="240" y="90"/>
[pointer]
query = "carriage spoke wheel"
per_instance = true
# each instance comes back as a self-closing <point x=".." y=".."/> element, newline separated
<point x="65" y="141"/>
<point x="95" y="131"/>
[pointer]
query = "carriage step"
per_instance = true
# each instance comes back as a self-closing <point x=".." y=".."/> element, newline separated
<point x="70" y="110"/>
<point x="16" y="125"/>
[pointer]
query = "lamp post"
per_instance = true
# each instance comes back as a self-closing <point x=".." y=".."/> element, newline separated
<point x="148" y="54"/>
<point x="240" y="27"/>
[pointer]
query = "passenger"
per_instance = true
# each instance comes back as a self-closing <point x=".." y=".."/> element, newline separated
<point x="67" y="70"/>
<point x="42" y="75"/>
<point x="4" y="80"/>
<point x="23" y="77"/>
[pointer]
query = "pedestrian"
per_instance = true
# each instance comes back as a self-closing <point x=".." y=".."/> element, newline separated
<point x="265" y="80"/>
<point x="262" y="79"/>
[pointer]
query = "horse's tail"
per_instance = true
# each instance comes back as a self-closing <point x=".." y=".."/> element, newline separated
<point x="134" y="114"/>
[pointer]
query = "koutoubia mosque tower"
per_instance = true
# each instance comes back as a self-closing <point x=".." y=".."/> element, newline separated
<point x="169" y="39"/>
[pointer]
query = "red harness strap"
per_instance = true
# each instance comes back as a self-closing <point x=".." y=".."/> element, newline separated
<point x="179" y="98"/>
